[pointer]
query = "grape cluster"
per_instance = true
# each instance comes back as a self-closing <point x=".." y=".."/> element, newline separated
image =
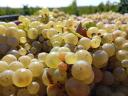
<point x="55" y="54"/>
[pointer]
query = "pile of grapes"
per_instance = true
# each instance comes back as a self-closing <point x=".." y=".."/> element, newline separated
<point x="55" y="54"/>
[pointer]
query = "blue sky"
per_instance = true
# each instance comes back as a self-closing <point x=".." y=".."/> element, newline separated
<point x="49" y="3"/>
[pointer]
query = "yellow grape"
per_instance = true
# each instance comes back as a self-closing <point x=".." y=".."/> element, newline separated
<point x="84" y="55"/>
<point x="3" y="66"/>
<point x="22" y="51"/>
<point x="3" y="30"/>
<point x="22" y="77"/>
<point x="15" y="65"/>
<point x="51" y="32"/>
<point x="42" y="56"/>
<point x="9" y="58"/>
<point x="92" y="31"/>
<point x="70" y="58"/>
<point x="32" y="33"/>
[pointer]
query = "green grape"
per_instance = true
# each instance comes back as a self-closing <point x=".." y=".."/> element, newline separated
<point x="44" y="33"/>
<point x="95" y="42"/>
<point x="6" y="78"/>
<point x="107" y="38"/>
<point x="100" y="24"/>
<point x="3" y="30"/>
<point x="47" y="76"/>
<point x="15" y="65"/>
<point x="33" y="88"/>
<point x="51" y="32"/>
<point x="34" y="24"/>
<point x="88" y="80"/>
<point x="124" y="63"/>
<point x="76" y="88"/>
<point x="36" y="68"/>
<point x="12" y="42"/>
<point x="121" y="55"/>
<point x="3" y="66"/>
<point x="100" y="58"/>
<point x="81" y="70"/>
<point x="30" y="55"/>
<point x="27" y="46"/>
<point x="70" y="38"/>
<point x="23" y="40"/>
<point x="9" y="58"/>
<point x="42" y="56"/>
<point x="52" y="60"/>
<point x="119" y="74"/>
<point x="85" y="42"/>
<point x="32" y="33"/>
<point x="84" y="55"/>
<point x="55" y="49"/>
<point x="9" y="91"/>
<point x="15" y="53"/>
<point x="60" y="76"/>
<point x="119" y="41"/>
<point x="56" y="37"/>
<point x="22" y="77"/>
<point x="92" y="31"/>
<point x="25" y="60"/>
<point x="23" y="92"/>
<point x="22" y="51"/>
<point x="125" y="46"/>
<point x="70" y="58"/>
<point x="21" y="33"/>
<point x="109" y="48"/>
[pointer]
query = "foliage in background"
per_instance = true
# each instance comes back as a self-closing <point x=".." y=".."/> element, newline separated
<point x="122" y="7"/>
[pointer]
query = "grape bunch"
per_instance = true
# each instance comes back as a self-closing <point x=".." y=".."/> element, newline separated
<point x="52" y="53"/>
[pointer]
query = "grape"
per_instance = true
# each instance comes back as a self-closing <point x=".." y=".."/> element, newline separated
<point x="109" y="48"/>
<point x="100" y="58"/>
<point x="84" y="55"/>
<point x="70" y="38"/>
<point x="124" y="63"/>
<point x="119" y="74"/>
<point x="3" y="39"/>
<point x="108" y="78"/>
<point x="60" y="76"/>
<point x="54" y="90"/>
<point x="23" y="40"/>
<point x="70" y="58"/>
<point x="3" y="30"/>
<point x="9" y="58"/>
<point x="12" y="42"/>
<point x="52" y="60"/>
<point x="23" y="92"/>
<point x="122" y="54"/>
<point x="4" y="48"/>
<point x="22" y="51"/>
<point x="37" y="45"/>
<point x="107" y="38"/>
<point x="30" y="55"/>
<point x="51" y="32"/>
<point x="22" y="77"/>
<point x="15" y="65"/>
<point x="9" y="91"/>
<point x="92" y="31"/>
<point x="62" y="67"/>
<point x="89" y="80"/>
<point x="55" y="49"/>
<point x="95" y="42"/>
<point x="21" y="33"/>
<point x="6" y="78"/>
<point x="36" y="68"/>
<point x="101" y="32"/>
<point x="125" y="46"/>
<point x="32" y="33"/>
<point x="80" y="68"/>
<point x="76" y="88"/>
<point x="85" y="42"/>
<point x="15" y="53"/>
<point x="42" y="56"/>
<point x="3" y="66"/>
<point x="98" y="75"/>
<point x="25" y="60"/>
<point x="47" y="76"/>
<point x="100" y="24"/>
<point x="33" y="88"/>
<point x="119" y="41"/>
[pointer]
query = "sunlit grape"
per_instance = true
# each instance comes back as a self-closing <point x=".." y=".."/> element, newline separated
<point x="3" y="66"/>
<point x="9" y="58"/>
